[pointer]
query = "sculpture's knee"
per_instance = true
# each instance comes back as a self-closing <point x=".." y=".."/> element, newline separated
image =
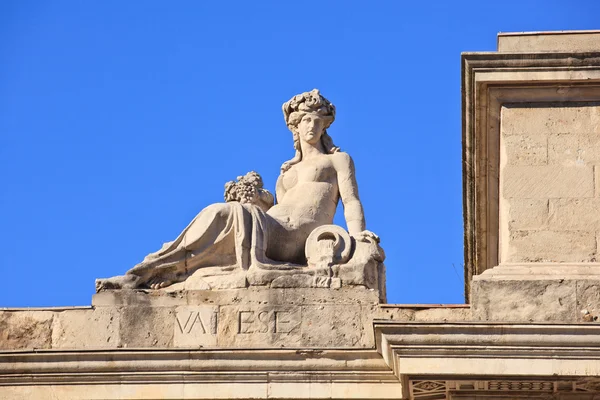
<point x="207" y="226"/>
<point x="212" y="217"/>
<point x="218" y="210"/>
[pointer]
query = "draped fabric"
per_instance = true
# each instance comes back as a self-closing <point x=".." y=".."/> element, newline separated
<point x="230" y="235"/>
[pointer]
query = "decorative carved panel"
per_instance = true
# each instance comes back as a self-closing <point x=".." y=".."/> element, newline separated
<point x="423" y="389"/>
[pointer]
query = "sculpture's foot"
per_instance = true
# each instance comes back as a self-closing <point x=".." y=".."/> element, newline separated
<point x="159" y="283"/>
<point x="127" y="281"/>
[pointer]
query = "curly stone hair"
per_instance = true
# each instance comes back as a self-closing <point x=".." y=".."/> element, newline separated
<point x="297" y="107"/>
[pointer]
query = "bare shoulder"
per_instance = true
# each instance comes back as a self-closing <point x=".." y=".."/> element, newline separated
<point x="342" y="160"/>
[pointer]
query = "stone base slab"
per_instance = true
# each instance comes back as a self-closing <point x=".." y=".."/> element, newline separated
<point x="242" y="318"/>
<point x="537" y="292"/>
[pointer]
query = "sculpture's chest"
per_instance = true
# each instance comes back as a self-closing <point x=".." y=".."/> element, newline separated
<point x="313" y="170"/>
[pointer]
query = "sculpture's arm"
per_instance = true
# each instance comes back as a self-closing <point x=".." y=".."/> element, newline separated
<point x="279" y="188"/>
<point x="353" y="209"/>
<point x="264" y="199"/>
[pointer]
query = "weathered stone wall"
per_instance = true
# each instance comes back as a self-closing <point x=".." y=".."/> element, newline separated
<point x="550" y="183"/>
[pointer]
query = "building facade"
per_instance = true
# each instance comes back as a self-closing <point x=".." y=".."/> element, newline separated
<point x="530" y="328"/>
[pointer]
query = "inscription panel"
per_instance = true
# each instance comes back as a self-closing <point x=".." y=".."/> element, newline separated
<point x="252" y="326"/>
<point x="196" y="326"/>
<point x="268" y="320"/>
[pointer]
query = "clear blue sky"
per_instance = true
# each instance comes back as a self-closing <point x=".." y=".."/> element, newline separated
<point x="120" y="120"/>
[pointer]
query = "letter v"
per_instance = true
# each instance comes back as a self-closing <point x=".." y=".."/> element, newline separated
<point x="186" y="322"/>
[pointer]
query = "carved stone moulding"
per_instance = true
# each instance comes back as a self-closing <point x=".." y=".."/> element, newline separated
<point x="450" y="360"/>
<point x="149" y="374"/>
<point x="447" y="389"/>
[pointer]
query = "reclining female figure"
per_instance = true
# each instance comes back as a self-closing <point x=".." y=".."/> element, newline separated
<point x="256" y="233"/>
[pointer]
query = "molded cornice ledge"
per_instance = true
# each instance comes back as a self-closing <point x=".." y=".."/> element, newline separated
<point x="196" y="374"/>
<point x="489" y="349"/>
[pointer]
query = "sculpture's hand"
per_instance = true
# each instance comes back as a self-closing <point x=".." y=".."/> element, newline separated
<point x="248" y="189"/>
<point x="266" y="198"/>
<point x="366" y="236"/>
<point x="285" y="167"/>
<point x="259" y="197"/>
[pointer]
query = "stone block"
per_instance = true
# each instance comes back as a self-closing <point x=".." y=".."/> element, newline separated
<point x="139" y="298"/>
<point x="574" y="149"/>
<point x="440" y="314"/>
<point x="550" y="246"/>
<point x="549" y="120"/>
<point x="423" y="313"/>
<point x="307" y="325"/>
<point x="563" y="42"/>
<point x="195" y="326"/>
<point x="588" y="300"/>
<point x="332" y="326"/>
<point x="300" y="390"/>
<point x="291" y="296"/>
<point x="147" y="326"/>
<point x="254" y="326"/>
<point x="25" y="330"/>
<point x="527" y="214"/>
<point x="589" y="143"/>
<point x="250" y="296"/>
<point x="80" y="329"/>
<point x="574" y="214"/>
<point x="524" y="300"/>
<point x="526" y="149"/>
<point x="367" y="315"/>
<point x="564" y="149"/>
<point x="297" y="281"/>
<point x="395" y="313"/>
<point x="543" y="182"/>
<point x="357" y="295"/>
<point x="366" y="390"/>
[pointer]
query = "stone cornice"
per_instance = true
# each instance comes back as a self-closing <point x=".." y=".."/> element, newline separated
<point x="198" y="365"/>
<point x="196" y="374"/>
<point x="489" y="349"/>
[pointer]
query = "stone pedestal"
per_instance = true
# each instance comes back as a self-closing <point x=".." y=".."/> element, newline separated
<point x="241" y="318"/>
<point x="532" y="191"/>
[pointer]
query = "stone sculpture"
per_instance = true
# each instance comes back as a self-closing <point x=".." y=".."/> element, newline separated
<point x="249" y="240"/>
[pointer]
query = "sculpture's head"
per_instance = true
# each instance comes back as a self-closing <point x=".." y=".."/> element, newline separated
<point x="308" y="103"/>
<point x="308" y="115"/>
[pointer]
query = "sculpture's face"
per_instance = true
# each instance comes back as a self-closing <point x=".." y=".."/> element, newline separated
<point x="311" y="128"/>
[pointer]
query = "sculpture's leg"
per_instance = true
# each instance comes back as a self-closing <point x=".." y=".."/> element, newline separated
<point x="207" y="230"/>
<point x="144" y="276"/>
<point x="286" y="243"/>
<point x="206" y="241"/>
<point x="117" y="282"/>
